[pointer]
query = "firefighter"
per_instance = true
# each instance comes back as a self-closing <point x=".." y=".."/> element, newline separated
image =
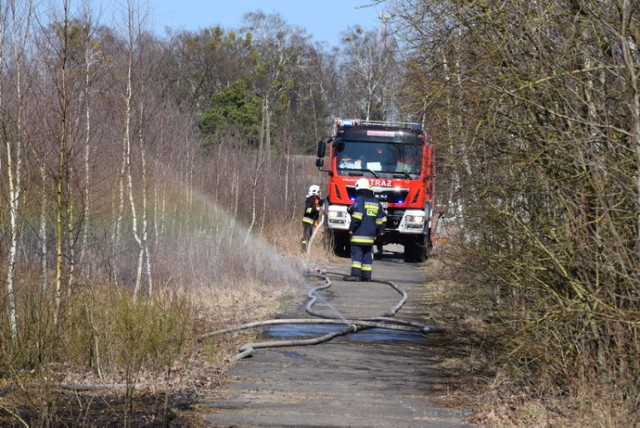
<point x="368" y="219"/>
<point x="312" y="208"/>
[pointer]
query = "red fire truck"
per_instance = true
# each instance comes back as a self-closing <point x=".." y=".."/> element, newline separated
<point x="398" y="158"/>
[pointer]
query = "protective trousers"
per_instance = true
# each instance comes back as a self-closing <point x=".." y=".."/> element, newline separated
<point x="361" y="261"/>
<point x="307" y="231"/>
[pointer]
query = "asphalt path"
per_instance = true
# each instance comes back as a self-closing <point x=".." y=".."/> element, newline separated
<point x="373" y="377"/>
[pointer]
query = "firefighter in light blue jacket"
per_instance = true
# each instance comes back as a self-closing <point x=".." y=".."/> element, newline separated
<point x="368" y="219"/>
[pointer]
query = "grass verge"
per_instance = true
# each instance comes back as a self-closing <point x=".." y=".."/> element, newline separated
<point x="498" y="390"/>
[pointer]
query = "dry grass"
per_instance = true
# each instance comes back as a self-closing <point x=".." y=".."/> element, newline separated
<point x="236" y="303"/>
<point x="287" y="241"/>
<point x="501" y="393"/>
<point x="108" y="338"/>
<point x="159" y="368"/>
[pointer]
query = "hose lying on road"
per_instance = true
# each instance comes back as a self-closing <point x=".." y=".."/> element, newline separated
<point x="351" y="325"/>
<point x="247" y="349"/>
<point x="390" y="313"/>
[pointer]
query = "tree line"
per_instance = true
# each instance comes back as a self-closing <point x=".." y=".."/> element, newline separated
<point x="537" y="106"/>
<point x="103" y="126"/>
<point x="137" y="170"/>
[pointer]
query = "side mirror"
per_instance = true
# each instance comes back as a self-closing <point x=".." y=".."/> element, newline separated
<point x="319" y="162"/>
<point x="322" y="148"/>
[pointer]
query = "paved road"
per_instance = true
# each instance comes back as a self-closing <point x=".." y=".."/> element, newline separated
<point x="373" y="378"/>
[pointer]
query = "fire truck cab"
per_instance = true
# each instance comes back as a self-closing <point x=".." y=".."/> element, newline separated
<point x="398" y="159"/>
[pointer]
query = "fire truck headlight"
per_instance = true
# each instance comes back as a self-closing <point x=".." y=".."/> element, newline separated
<point x="415" y="219"/>
<point x="337" y="214"/>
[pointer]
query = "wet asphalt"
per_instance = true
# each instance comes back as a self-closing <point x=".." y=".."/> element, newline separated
<point x="370" y="378"/>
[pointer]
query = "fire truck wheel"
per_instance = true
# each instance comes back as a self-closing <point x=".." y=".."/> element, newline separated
<point x="415" y="251"/>
<point x="340" y="244"/>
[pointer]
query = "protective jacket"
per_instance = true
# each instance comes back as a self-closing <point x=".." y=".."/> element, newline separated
<point x="368" y="218"/>
<point x="311" y="209"/>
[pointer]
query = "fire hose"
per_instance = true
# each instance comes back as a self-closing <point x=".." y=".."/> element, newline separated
<point x="386" y="321"/>
<point x="316" y="230"/>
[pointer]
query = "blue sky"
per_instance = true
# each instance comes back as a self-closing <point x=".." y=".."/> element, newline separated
<point x="324" y="20"/>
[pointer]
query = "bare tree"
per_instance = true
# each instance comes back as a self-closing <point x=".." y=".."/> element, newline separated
<point x="140" y="233"/>
<point x="367" y="65"/>
<point x="14" y="35"/>
<point x="542" y="99"/>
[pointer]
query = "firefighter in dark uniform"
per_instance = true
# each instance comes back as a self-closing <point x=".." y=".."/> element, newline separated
<point x="312" y="208"/>
<point x="368" y="219"/>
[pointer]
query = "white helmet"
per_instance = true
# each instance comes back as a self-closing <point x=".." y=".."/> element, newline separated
<point x="314" y="189"/>
<point x="363" y="183"/>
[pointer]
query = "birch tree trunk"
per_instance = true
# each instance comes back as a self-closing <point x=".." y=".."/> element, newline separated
<point x="13" y="214"/>
<point x="62" y="172"/>
<point x="235" y="191"/>
<point x="127" y="159"/>
<point x="69" y="231"/>
<point x="267" y="148"/>
<point x="17" y="22"/>
<point x="144" y="245"/>
<point x="119" y="210"/>
<point x="254" y="182"/>
<point x="42" y="233"/>
<point x="141" y="236"/>
<point x="87" y="156"/>
<point x="254" y="196"/>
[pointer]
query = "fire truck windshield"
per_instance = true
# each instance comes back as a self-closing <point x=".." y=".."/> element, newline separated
<point x="379" y="157"/>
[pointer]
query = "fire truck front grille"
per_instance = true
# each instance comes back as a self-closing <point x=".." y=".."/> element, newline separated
<point x="391" y="196"/>
<point x="393" y="219"/>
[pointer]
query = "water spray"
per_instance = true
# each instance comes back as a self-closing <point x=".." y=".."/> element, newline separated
<point x="315" y="231"/>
